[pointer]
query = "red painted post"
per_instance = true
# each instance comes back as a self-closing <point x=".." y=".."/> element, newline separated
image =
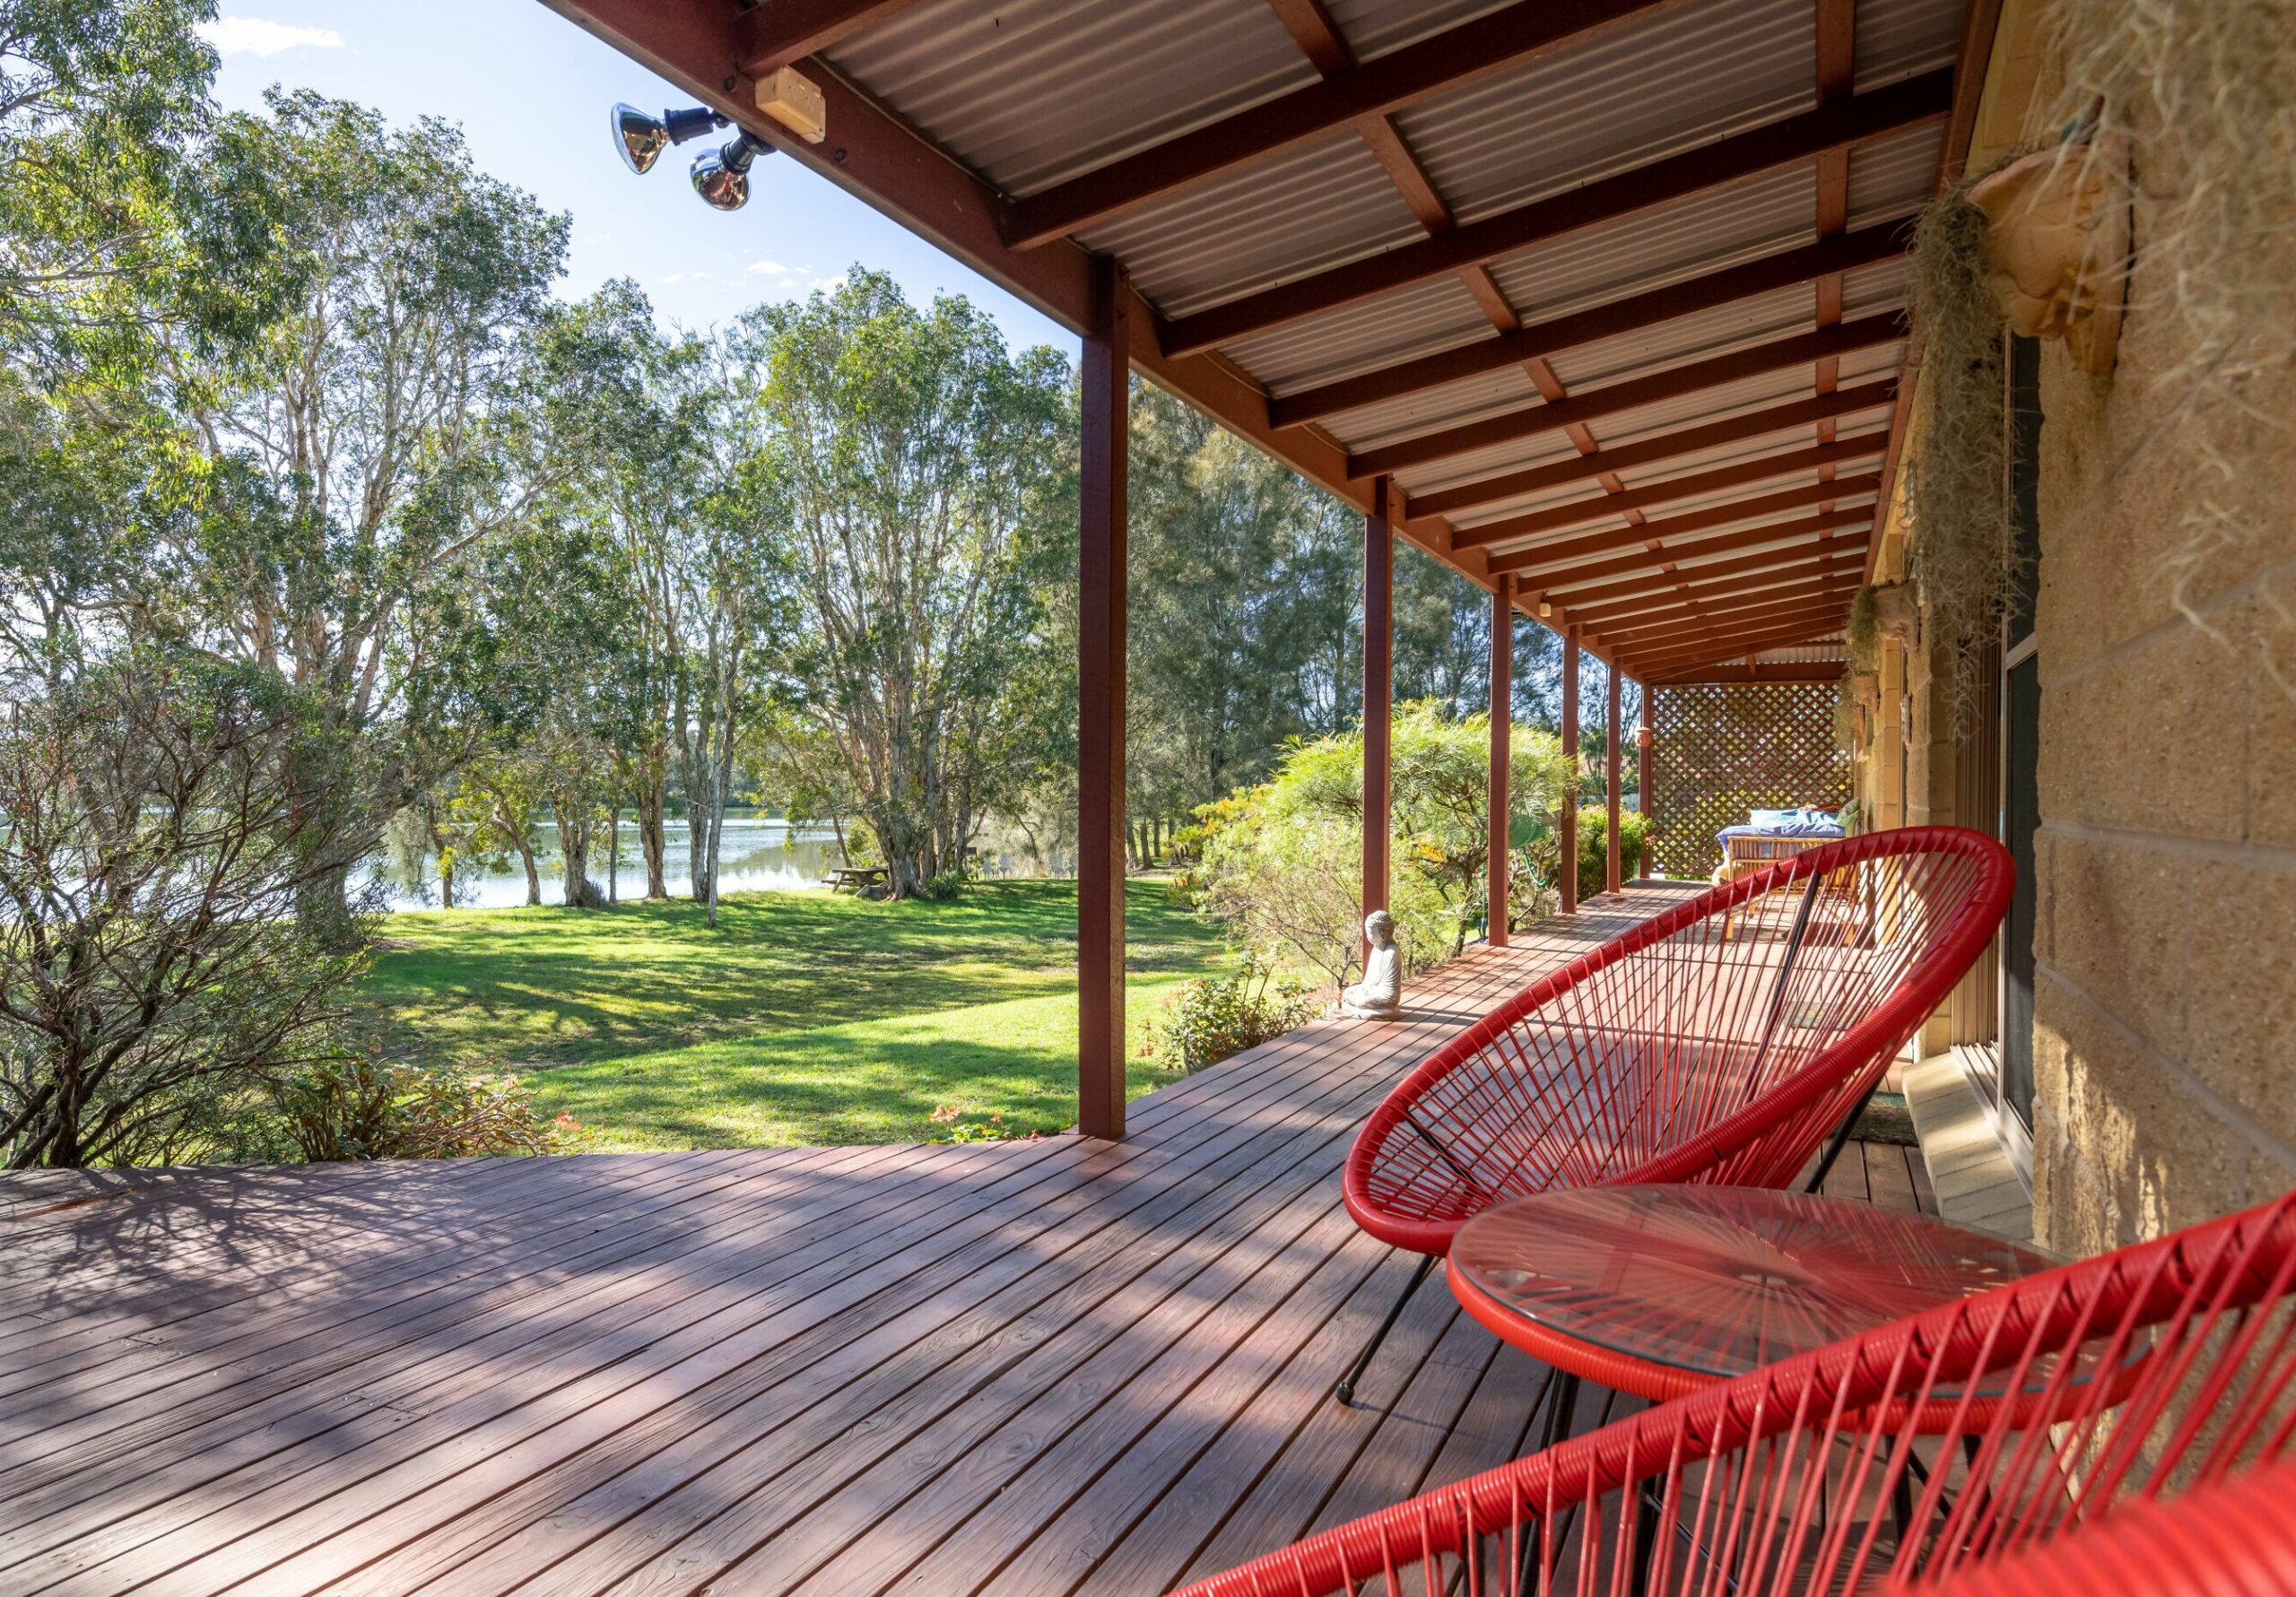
<point x="1646" y="788"/>
<point x="1568" y="870"/>
<point x="1502" y="747"/>
<point x="1378" y="688"/>
<point x="1611" y="756"/>
<point x="1099" y="744"/>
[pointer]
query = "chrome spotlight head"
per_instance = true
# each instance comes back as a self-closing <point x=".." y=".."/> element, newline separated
<point x="721" y="177"/>
<point x="641" y="138"/>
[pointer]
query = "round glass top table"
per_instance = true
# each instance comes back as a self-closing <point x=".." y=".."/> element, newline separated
<point x="1663" y="1291"/>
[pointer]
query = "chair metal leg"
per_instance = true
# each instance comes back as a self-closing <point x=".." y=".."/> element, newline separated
<point x="1346" y="1388"/>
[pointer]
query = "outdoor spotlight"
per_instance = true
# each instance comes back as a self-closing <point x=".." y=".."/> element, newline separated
<point x="641" y="138"/>
<point x="721" y="177"/>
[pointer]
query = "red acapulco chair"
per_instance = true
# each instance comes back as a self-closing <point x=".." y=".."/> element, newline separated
<point x="1721" y="1041"/>
<point x="2071" y="1400"/>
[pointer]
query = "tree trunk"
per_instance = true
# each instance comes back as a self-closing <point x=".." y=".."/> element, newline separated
<point x="613" y="854"/>
<point x="574" y="850"/>
<point x="651" y="839"/>
<point x="844" y="855"/>
<point x="534" y="876"/>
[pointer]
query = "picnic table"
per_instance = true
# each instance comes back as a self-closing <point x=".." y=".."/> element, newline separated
<point x="857" y="877"/>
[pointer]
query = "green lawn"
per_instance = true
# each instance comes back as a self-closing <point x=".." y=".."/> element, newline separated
<point x="803" y="1018"/>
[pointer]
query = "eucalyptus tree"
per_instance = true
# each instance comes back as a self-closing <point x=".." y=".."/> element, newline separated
<point x="382" y="412"/>
<point x="925" y="476"/>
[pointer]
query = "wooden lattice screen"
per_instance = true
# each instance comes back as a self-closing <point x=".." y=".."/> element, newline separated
<point x="1723" y="749"/>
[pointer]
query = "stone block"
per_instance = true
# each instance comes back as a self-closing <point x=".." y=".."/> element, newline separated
<point x="2241" y="987"/>
<point x="2120" y="916"/>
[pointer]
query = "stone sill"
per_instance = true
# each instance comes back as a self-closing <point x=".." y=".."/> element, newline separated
<point x="1976" y="1184"/>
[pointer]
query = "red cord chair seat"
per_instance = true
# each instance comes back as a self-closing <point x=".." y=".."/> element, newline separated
<point x="1721" y="1041"/>
<point x="1802" y="1477"/>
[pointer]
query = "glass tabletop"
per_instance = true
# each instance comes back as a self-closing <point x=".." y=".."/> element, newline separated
<point x="1721" y="1280"/>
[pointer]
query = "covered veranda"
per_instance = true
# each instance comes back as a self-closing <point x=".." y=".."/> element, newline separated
<point x="1597" y="303"/>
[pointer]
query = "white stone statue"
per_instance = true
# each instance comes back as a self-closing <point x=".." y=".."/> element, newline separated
<point x="1379" y="996"/>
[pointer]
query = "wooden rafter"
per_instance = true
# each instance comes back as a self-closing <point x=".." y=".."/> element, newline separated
<point x="1799" y="497"/>
<point x="1727" y="161"/>
<point x="1799" y="349"/>
<point x="776" y="33"/>
<point x="1662" y="447"/>
<point x="1738" y="648"/>
<point x="1886" y="241"/>
<point x="1740" y="613"/>
<point x="1650" y="496"/>
<point x="1682" y="585"/>
<point x="1772" y="565"/>
<point x="1560" y="577"/>
<point x="1457" y="56"/>
<point x="1765" y="671"/>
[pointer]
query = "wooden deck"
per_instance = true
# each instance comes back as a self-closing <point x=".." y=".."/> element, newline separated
<point x="1058" y="1366"/>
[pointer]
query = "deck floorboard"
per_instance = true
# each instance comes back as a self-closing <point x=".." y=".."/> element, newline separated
<point x="1058" y="1367"/>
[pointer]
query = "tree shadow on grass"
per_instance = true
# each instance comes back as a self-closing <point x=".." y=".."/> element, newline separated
<point x="546" y="987"/>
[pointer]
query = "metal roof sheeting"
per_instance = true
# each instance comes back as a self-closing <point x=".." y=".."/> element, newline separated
<point x="1033" y="93"/>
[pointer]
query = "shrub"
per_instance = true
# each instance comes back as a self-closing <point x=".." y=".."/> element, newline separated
<point x="362" y="1106"/>
<point x="1594" y="847"/>
<point x="1216" y="1017"/>
<point x="1280" y="862"/>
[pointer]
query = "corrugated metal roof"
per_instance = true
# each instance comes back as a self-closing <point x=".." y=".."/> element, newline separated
<point x="1435" y="315"/>
<point x="1508" y="388"/>
<point x="1679" y="79"/>
<point x="1274" y="221"/>
<point x="1031" y="92"/>
<point x="1891" y="177"/>
<point x="1895" y="38"/>
<point x="1687" y="238"/>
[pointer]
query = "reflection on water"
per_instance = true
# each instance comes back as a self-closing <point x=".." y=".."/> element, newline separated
<point x="756" y="855"/>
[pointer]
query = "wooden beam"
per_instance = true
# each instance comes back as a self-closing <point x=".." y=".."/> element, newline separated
<point x="1662" y="447"/>
<point x="1542" y="557"/>
<point x="1640" y="630"/>
<point x="1101" y="709"/>
<point x="1379" y="691"/>
<point x="1611" y="756"/>
<point x="1542" y="582"/>
<point x="1646" y="790"/>
<point x="1568" y="853"/>
<point x="1517" y="32"/>
<point x="1736" y="648"/>
<point x="1883" y="242"/>
<point x="1725" y="160"/>
<point x="777" y="33"/>
<point x="1496" y="811"/>
<point x="1767" y="565"/>
<point x="1811" y="576"/>
<point x="1725" y="641"/>
<point x="1800" y="349"/>
<point x="1313" y="30"/>
<point x="1764" y="670"/>
<point x="1650" y="496"/>
<point x="1604" y="540"/>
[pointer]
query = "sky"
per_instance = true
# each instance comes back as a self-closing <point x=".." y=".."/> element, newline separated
<point x="531" y="92"/>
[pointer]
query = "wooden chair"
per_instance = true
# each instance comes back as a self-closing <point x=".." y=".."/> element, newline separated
<point x="2058" y="1407"/>
<point x="1724" y="1040"/>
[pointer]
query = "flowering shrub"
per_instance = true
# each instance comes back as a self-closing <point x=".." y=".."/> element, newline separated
<point x="969" y="1126"/>
<point x="1214" y="1017"/>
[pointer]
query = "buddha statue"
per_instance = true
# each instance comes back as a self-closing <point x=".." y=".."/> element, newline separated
<point x="1379" y="996"/>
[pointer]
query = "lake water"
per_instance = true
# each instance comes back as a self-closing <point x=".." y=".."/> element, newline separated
<point x="756" y="855"/>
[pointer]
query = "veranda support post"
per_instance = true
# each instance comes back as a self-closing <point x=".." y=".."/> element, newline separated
<point x="1378" y="689"/>
<point x="1568" y="865"/>
<point x="1100" y="742"/>
<point x="1502" y="745"/>
<point x="1612" y="757"/>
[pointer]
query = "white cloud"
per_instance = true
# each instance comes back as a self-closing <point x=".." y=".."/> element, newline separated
<point x="257" y="36"/>
<point x="795" y="280"/>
